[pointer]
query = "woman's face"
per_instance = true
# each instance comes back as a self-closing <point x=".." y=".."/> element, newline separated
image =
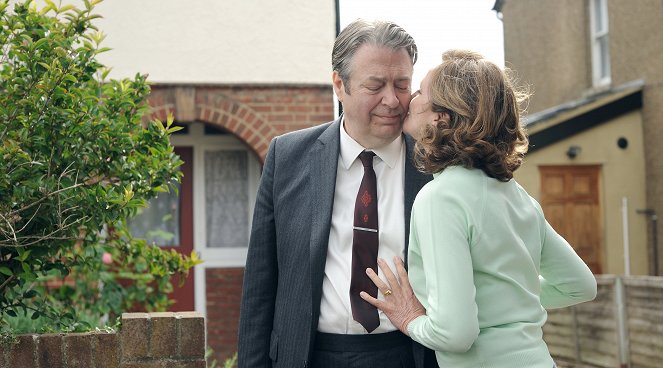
<point x="421" y="111"/>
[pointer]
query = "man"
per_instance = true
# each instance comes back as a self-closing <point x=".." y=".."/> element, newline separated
<point x="310" y="238"/>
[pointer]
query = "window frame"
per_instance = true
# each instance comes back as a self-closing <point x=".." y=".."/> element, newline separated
<point x="599" y="54"/>
<point x="223" y="256"/>
<point x="196" y="138"/>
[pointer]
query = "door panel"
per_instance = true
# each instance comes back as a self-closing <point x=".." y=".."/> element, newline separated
<point x="570" y="200"/>
<point x="167" y="222"/>
<point x="183" y="296"/>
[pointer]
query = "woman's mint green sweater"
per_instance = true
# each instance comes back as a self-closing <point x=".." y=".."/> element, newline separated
<point x="485" y="263"/>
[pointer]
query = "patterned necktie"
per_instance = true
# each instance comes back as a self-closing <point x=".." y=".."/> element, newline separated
<point x="365" y="246"/>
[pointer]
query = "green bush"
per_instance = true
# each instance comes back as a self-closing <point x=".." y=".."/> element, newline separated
<point x="76" y="161"/>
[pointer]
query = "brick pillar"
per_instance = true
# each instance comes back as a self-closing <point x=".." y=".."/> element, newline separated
<point x="155" y="340"/>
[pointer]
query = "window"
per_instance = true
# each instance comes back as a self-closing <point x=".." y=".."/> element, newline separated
<point x="225" y="176"/>
<point x="214" y="207"/>
<point x="226" y="198"/>
<point x="158" y="223"/>
<point x="599" y="42"/>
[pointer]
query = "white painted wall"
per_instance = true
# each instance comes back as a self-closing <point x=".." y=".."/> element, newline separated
<point x="219" y="41"/>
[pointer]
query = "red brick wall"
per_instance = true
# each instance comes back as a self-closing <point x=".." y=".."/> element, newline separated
<point x="224" y="289"/>
<point x="255" y="114"/>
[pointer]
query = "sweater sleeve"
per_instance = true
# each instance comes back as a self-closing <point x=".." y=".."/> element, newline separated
<point x="565" y="278"/>
<point x="441" y="234"/>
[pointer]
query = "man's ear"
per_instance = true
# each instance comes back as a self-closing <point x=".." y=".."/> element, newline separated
<point x="339" y="88"/>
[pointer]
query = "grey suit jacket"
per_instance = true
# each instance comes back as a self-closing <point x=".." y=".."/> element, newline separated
<point x="288" y="246"/>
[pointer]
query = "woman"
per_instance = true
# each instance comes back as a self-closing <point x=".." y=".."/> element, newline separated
<point x="483" y="261"/>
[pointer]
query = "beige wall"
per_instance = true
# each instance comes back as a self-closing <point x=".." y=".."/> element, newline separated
<point x="636" y="40"/>
<point x="197" y="41"/>
<point x="535" y="48"/>
<point x="545" y="43"/>
<point x="622" y="175"/>
<point x="636" y="52"/>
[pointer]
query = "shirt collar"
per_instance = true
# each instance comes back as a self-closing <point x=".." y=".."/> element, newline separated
<point x="350" y="149"/>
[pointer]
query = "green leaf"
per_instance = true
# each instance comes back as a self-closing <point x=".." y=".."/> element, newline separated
<point x="11" y="312"/>
<point x="40" y="43"/>
<point x="30" y="294"/>
<point x="23" y="254"/>
<point x="5" y="270"/>
<point x="66" y="8"/>
<point x="35" y="315"/>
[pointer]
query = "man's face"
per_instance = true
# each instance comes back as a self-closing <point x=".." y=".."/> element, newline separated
<point x="379" y="86"/>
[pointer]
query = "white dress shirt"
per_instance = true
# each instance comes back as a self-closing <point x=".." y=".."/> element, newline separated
<point x="389" y="166"/>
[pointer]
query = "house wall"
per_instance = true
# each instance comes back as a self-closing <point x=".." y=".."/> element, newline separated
<point x="622" y="175"/>
<point x="636" y="51"/>
<point x="545" y="42"/>
<point x="220" y="41"/>
<point x="224" y="290"/>
<point x="253" y="113"/>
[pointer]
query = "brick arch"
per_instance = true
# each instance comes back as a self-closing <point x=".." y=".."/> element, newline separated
<point x="240" y="120"/>
<point x="253" y="113"/>
<point x="243" y="121"/>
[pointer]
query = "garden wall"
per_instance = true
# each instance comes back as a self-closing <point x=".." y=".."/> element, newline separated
<point x="145" y="340"/>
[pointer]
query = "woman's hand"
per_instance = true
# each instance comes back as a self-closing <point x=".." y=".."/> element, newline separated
<point x="400" y="304"/>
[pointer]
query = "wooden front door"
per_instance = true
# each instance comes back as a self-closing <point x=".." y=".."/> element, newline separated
<point x="168" y="223"/>
<point x="570" y="201"/>
<point x="184" y="296"/>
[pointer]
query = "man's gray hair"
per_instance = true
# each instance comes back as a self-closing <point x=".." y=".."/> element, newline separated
<point x="378" y="33"/>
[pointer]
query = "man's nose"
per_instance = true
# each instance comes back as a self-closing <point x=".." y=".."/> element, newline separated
<point x="390" y="98"/>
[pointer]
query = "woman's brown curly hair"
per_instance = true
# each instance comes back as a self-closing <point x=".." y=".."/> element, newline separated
<point x="484" y="130"/>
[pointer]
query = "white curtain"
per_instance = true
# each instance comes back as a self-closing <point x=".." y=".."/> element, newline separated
<point x="226" y="198"/>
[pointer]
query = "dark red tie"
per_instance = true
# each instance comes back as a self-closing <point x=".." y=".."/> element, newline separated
<point x="365" y="246"/>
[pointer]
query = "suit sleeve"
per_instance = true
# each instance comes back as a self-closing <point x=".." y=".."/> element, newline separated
<point x="260" y="275"/>
<point x="565" y="278"/>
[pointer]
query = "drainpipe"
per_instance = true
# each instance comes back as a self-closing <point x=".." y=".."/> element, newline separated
<point x="627" y="250"/>
<point x="653" y="249"/>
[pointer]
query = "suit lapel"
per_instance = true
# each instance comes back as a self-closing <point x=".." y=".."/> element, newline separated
<point x="323" y="159"/>
<point x="414" y="181"/>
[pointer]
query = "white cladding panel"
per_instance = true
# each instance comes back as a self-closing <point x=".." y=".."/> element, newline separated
<point x="219" y="41"/>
